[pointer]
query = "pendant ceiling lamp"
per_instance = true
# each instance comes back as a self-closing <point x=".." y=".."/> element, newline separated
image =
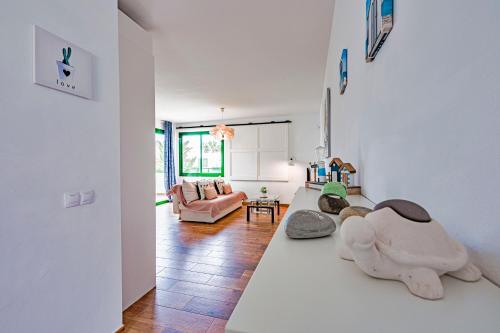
<point x="221" y="131"/>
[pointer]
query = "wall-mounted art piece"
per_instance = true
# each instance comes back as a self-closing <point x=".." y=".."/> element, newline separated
<point x="379" y="22"/>
<point x="327" y="119"/>
<point x="343" y="72"/>
<point x="61" y="65"/>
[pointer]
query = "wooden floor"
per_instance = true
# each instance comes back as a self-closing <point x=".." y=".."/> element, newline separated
<point x="201" y="271"/>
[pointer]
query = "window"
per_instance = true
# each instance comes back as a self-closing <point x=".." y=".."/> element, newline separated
<point x="161" y="195"/>
<point x="200" y="155"/>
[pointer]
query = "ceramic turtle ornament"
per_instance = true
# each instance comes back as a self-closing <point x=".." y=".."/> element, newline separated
<point x="400" y="241"/>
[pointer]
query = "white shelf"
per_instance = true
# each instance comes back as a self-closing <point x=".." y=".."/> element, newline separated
<point x="303" y="286"/>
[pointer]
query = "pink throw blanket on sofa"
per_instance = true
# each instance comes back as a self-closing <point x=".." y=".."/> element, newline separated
<point x="214" y="207"/>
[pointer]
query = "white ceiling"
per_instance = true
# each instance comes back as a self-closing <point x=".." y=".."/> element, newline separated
<point x="254" y="57"/>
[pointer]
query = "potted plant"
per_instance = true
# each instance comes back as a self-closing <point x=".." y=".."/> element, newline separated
<point x="263" y="190"/>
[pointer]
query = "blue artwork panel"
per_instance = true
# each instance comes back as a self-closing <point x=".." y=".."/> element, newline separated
<point x="379" y="22"/>
<point x="343" y="71"/>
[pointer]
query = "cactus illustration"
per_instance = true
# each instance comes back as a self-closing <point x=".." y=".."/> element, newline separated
<point x="66" y="55"/>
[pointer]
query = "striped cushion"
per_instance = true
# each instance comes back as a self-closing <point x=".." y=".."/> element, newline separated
<point x="219" y="186"/>
<point x="202" y="184"/>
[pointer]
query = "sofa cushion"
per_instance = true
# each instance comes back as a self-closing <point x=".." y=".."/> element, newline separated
<point x="210" y="193"/>
<point x="189" y="191"/>
<point x="228" y="189"/>
<point x="202" y="184"/>
<point x="219" y="186"/>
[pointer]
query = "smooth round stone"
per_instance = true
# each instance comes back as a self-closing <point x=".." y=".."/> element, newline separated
<point x="309" y="224"/>
<point x="335" y="188"/>
<point x="353" y="211"/>
<point x="407" y="209"/>
<point x="331" y="204"/>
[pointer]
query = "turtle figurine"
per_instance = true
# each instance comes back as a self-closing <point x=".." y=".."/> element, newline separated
<point x="400" y="241"/>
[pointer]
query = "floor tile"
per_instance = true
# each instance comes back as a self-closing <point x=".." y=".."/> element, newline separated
<point x="206" y="291"/>
<point x="234" y="272"/>
<point x="180" y="274"/>
<point x="227" y="282"/>
<point x="179" y="320"/>
<point x="166" y="298"/>
<point x="210" y="307"/>
<point x="218" y="326"/>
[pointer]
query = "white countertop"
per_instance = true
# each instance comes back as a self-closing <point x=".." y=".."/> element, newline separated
<point x="303" y="286"/>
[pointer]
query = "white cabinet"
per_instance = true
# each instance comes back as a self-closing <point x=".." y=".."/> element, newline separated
<point x="273" y="165"/>
<point x="243" y="165"/>
<point x="259" y="152"/>
<point x="273" y="137"/>
<point x="245" y="138"/>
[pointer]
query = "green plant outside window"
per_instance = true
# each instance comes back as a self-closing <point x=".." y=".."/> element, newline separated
<point x="200" y="155"/>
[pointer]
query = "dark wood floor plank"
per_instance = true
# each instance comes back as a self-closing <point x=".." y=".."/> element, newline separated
<point x="206" y="291"/>
<point x="179" y="264"/>
<point x="184" y="275"/>
<point x="210" y="307"/>
<point x="166" y="298"/>
<point x="233" y="272"/>
<point x="164" y="283"/>
<point x="218" y="326"/>
<point x="228" y="282"/>
<point x="182" y="321"/>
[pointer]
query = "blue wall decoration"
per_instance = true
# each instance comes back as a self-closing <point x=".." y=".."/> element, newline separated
<point x="379" y="22"/>
<point x="343" y="72"/>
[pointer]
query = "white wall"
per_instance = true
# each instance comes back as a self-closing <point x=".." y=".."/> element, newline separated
<point x="422" y="121"/>
<point x="60" y="268"/>
<point x="137" y="98"/>
<point x="303" y="138"/>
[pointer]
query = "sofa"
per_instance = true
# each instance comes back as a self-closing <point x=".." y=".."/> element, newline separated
<point x="206" y="211"/>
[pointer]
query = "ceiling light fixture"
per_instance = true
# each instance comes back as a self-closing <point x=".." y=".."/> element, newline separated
<point x="221" y="131"/>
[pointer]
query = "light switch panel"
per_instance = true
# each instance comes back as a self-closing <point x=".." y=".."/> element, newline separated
<point x="87" y="197"/>
<point x="71" y="199"/>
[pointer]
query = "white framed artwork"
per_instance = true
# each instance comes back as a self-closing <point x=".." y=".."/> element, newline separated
<point x="61" y="65"/>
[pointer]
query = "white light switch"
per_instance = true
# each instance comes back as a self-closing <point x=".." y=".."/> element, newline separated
<point x="87" y="197"/>
<point x="71" y="199"/>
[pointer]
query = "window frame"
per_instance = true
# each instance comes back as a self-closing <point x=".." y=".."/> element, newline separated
<point x="200" y="174"/>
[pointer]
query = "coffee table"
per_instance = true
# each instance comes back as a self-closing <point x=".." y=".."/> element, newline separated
<point x="263" y="202"/>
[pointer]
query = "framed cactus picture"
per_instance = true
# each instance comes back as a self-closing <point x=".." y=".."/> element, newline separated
<point x="61" y="65"/>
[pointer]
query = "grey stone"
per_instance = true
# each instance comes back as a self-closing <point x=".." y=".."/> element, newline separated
<point x="309" y="224"/>
<point x="331" y="204"/>
<point x="353" y="211"/>
<point x="407" y="209"/>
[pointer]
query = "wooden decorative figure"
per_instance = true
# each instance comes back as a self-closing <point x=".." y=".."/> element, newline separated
<point x="347" y="172"/>
<point x="335" y="165"/>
